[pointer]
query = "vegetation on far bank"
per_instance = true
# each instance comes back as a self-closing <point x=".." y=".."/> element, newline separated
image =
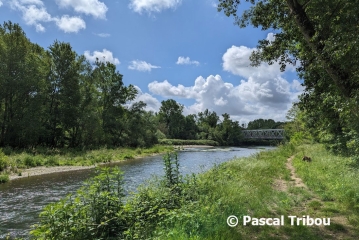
<point x="188" y="142"/>
<point x="15" y="161"/>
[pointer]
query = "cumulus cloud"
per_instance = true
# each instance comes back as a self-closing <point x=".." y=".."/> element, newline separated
<point x="1" y="3"/>
<point x="89" y="7"/>
<point x="34" y="13"/>
<point x="152" y="103"/>
<point x="248" y="99"/>
<point x="70" y="24"/>
<point x="104" y="56"/>
<point x="153" y="5"/>
<point x="186" y="60"/>
<point x="167" y="90"/>
<point x="141" y="66"/>
<point x="261" y="93"/>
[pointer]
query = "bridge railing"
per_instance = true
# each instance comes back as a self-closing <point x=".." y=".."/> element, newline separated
<point x="264" y="134"/>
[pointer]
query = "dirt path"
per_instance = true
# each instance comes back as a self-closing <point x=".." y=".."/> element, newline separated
<point x="340" y="227"/>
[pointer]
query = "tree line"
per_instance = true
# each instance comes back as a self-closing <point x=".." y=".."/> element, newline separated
<point x="56" y="98"/>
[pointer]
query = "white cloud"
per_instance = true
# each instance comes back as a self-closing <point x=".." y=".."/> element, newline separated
<point x="1" y="3"/>
<point x="39" y="27"/>
<point x="153" y="5"/>
<point x="270" y="37"/>
<point x="70" y="24"/>
<point x="104" y="56"/>
<point x="103" y="34"/>
<point x="246" y="101"/>
<point x="34" y="13"/>
<point x="152" y="103"/>
<point x="141" y="66"/>
<point x="166" y="89"/>
<point x="89" y="7"/>
<point x="262" y="93"/>
<point x="186" y="60"/>
<point x="36" y="2"/>
<point x="236" y="61"/>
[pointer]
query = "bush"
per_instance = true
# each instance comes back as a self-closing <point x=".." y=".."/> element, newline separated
<point x="95" y="212"/>
<point x="4" y="178"/>
<point x="52" y="161"/>
<point x="4" y="162"/>
<point x="30" y="161"/>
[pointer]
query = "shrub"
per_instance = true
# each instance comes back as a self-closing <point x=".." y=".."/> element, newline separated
<point x="4" y="178"/>
<point x="95" y="212"/>
<point x="4" y="162"/>
<point x="30" y="161"/>
<point x="52" y="161"/>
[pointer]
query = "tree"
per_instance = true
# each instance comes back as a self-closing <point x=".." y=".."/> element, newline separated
<point x="64" y="94"/>
<point x="112" y="95"/>
<point x="319" y="34"/>
<point x="22" y="79"/>
<point x="207" y="123"/>
<point x="322" y="36"/>
<point x="171" y="115"/>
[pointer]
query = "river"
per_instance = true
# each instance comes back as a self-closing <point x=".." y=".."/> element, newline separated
<point x="21" y="200"/>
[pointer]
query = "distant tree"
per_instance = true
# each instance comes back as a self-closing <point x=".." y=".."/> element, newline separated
<point x="170" y="114"/>
<point x="263" y="124"/>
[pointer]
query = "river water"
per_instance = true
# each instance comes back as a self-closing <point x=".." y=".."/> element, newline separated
<point x="21" y="200"/>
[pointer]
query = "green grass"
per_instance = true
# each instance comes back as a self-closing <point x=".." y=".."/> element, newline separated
<point x="245" y="187"/>
<point x="12" y="161"/>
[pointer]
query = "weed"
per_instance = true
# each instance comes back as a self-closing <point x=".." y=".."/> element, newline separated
<point x="4" y="178"/>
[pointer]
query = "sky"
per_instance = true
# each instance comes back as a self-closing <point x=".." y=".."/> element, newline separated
<point x="168" y="49"/>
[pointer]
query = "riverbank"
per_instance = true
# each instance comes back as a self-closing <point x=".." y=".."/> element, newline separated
<point x="46" y="161"/>
<point x="273" y="184"/>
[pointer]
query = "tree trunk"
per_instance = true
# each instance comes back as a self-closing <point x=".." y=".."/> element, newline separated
<point x="339" y="76"/>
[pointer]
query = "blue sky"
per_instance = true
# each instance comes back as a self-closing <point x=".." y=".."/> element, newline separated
<point x="179" y="49"/>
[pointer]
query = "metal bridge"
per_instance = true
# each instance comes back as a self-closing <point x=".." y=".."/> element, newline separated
<point x="264" y="134"/>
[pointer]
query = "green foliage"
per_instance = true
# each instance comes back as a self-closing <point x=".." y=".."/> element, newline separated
<point x="55" y="98"/>
<point x="320" y="35"/>
<point x="4" y="178"/>
<point x="95" y="212"/>
<point x="264" y="124"/>
<point x="4" y="162"/>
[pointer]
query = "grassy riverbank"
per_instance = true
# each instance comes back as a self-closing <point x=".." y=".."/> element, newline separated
<point x="17" y="161"/>
<point x="263" y="186"/>
<point x="267" y="185"/>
